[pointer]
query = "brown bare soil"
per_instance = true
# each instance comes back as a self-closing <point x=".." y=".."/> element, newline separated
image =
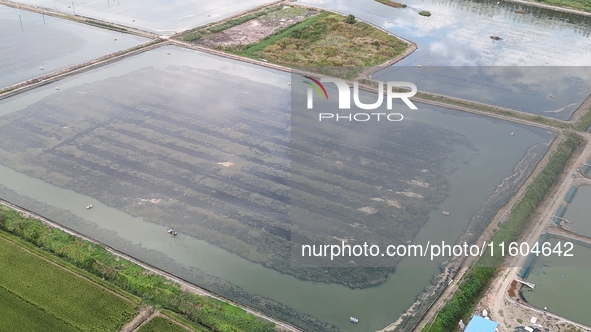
<point x="255" y="30"/>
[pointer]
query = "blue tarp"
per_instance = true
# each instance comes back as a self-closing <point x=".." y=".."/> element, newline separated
<point x="479" y="324"/>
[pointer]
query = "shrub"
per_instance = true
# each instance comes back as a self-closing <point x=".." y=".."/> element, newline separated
<point x="350" y="19"/>
<point x="192" y="36"/>
<point x="392" y="3"/>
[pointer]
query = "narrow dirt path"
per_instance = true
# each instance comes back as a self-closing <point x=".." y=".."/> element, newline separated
<point x="143" y="316"/>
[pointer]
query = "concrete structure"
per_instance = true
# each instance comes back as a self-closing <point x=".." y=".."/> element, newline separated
<point x="560" y="213"/>
<point x="571" y="194"/>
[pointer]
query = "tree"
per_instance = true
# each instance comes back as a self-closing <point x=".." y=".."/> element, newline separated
<point x="350" y="19"/>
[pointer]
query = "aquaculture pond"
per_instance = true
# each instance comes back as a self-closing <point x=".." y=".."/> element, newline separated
<point x="178" y="138"/>
<point x="160" y="16"/>
<point x="43" y="44"/>
<point x="562" y="284"/>
<point x="458" y="34"/>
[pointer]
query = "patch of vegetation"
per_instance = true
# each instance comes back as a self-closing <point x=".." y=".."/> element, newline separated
<point x="191" y="36"/>
<point x="479" y="277"/>
<point x="160" y="324"/>
<point x="392" y="3"/>
<point x="153" y="289"/>
<point x="17" y="315"/>
<point x="285" y="13"/>
<point x="583" y="5"/>
<point x="326" y="40"/>
<point x="425" y="13"/>
<point x="60" y="293"/>
<point x="584" y="122"/>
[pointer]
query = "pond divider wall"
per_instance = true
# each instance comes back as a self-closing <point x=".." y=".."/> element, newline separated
<point x="532" y="258"/>
<point x="570" y="239"/>
<point x="571" y="194"/>
<point x="586" y="168"/>
<point x="559" y="214"/>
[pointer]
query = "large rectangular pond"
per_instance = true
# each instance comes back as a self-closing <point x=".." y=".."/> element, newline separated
<point x="51" y="43"/>
<point x="200" y="143"/>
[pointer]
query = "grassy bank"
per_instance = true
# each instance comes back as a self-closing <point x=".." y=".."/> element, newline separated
<point x="326" y="40"/>
<point x="479" y="277"/>
<point x="152" y="289"/>
<point x="59" y="294"/>
<point x="582" y="5"/>
<point x="584" y="122"/>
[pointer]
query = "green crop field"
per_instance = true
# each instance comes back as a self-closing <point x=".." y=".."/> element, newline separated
<point x="583" y="5"/>
<point x="160" y="324"/>
<point x="56" y="295"/>
<point x="19" y="316"/>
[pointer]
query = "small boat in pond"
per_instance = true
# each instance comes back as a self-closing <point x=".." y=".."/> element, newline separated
<point x="88" y="207"/>
<point x="353" y="320"/>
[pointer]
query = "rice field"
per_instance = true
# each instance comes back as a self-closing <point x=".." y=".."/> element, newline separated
<point x="45" y="44"/>
<point x="56" y="296"/>
<point x="18" y="315"/>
